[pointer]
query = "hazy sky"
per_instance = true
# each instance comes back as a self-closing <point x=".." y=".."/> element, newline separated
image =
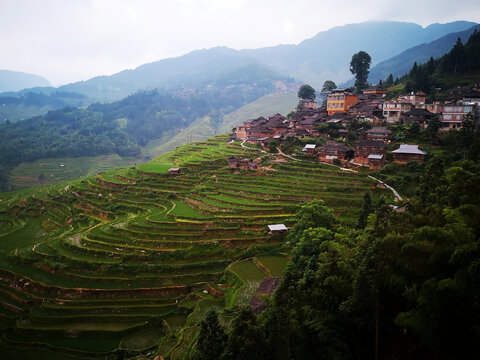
<point x="72" y="40"/>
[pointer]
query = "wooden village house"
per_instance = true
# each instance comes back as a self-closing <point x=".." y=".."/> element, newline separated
<point x="376" y="161"/>
<point x="406" y="152"/>
<point x="309" y="149"/>
<point x="332" y="150"/>
<point x="379" y="133"/>
<point x="245" y="163"/>
<point x="377" y="90"/>
<point x="364" y="148"/>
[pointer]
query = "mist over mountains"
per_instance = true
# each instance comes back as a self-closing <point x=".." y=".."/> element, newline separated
<point x="399" y="65"/>
<point x="327" y="55"/>
<point x="324" y="56"/>
<point x="16" y="80"/>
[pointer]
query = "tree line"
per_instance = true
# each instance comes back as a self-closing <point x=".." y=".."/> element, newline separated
<point x="462" y="60"/>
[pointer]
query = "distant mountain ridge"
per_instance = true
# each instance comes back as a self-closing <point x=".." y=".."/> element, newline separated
<point x="324" y="56"/>
<point x="327" y="55"/>
<point x="402" y="63"/>
<point x="190" y="70"/>
<point x="16" y="80"/>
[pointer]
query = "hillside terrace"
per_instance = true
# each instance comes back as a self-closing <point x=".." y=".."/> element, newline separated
<point x="83" y="274"/>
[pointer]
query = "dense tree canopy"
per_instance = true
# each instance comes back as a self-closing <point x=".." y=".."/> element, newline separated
<point x="360" y="67"/>
<point x="463" y="59"/>
<point x="327" y="88"/>
<point x="306" y="92"/>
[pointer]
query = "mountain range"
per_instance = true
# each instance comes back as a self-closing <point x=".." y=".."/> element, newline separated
<point x="324" y="56"/>
<point x="402" y="63"/>
<point x="327" y="55"/>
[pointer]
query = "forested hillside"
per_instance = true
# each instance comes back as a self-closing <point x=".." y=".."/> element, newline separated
<point x="123" y="127"/>
<point x="460" y="66"/>
<point x="401" y="64"/>
<point x="24" y="105"/>
<point x="190" y="70"/>
<point x="327" y="54"/>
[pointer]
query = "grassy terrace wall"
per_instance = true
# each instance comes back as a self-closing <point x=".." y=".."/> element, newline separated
<point x="125" y="263"/>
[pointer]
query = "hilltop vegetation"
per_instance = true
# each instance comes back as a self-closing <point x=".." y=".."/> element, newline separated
<point x="401" y="64"/>
<point x="128" y="262"/>
<point x="460" y="66"/>
<point x="24" y="105"/>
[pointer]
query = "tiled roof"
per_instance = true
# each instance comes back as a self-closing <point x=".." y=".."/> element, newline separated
<point x="379" y="130"/>
<point x="409" y="149"/>
<point x="331" y="145"/>
<point x="370" y="143"/>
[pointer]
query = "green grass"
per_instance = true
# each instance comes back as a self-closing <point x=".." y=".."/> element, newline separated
<point x="26" y="235"/>
<point x="49" y="171"/>
<point x="275" y="265"/>
<point x="247" y="270"/>
<point x="142" y="340"/>
<point x="159" y="165"/>
<point x="185" y="210"/>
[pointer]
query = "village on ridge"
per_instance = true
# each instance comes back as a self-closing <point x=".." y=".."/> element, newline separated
<point x="342" y="107"/>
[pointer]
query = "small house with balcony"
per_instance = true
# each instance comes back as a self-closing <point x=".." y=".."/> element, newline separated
<point x="376" y="161"/>
<point x="364" y="148"/>
<point x="379" y="133"/>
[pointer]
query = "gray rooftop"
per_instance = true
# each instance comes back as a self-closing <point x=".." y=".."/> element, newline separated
<point x="277" y="227"/>
<point x="409" y="149"/>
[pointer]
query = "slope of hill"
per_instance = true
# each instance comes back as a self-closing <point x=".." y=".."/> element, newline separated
<point x="190" y="70"/>
<point x="401" y="64"/>
<point x="327" y="55"/>
<point x="459" y="67"/>
<point x="129" y="261"/>
<point x="123" y="127"/>
<point x="16" y="80"/>
<point x="203" y="128"/>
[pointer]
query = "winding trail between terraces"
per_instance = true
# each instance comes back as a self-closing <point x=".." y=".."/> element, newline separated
<point x="395" y="192"/>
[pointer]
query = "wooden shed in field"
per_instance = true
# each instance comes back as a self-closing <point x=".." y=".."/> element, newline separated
<point x="174" y="171"/>
<point x="277" y="229"/>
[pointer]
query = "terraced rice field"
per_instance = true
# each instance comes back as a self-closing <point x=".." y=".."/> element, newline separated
<point x="125" y="264"/>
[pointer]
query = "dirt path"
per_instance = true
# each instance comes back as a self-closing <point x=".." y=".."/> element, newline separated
<point x="395" y="193"/>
